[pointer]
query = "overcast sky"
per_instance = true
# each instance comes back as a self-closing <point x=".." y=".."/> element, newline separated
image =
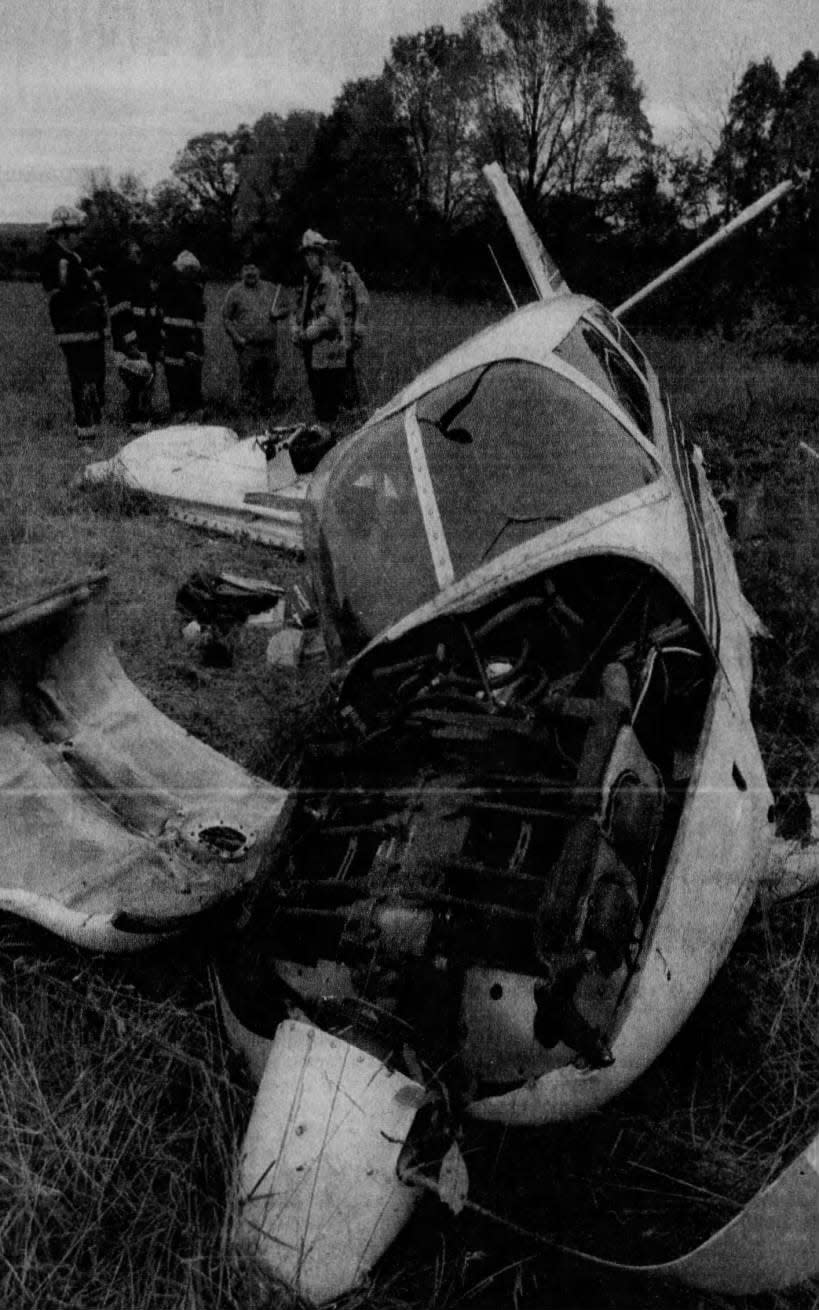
<point x="125" y="83"/>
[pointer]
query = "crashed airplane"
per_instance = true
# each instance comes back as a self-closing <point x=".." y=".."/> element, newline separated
<point x="503" y="888"/>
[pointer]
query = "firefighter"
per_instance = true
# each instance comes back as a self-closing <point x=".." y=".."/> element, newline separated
<point x="132" y="313"/>
<point x="318" y="330"/>
<point x="355" y="302"/>
<point x="77" y="310"/>
<point x="182" y="304"/>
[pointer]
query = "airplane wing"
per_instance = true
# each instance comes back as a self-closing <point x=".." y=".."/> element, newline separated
<point x="118" y="827"/>
<point x="547" y="278"/>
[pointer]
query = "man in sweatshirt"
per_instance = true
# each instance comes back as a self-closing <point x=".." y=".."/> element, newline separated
<point x="251" y="310"/>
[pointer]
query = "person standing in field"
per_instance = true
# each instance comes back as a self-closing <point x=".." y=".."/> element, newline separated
<point x="250" y="313"/>
<point x="355" y="303"/>
<point x="133" y="316"/>
<point x="182" y="305"/>
<point x="318" y="330"/>
<point x="76" y="308"/>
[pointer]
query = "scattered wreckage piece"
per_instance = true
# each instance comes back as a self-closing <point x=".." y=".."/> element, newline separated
<point x="218" y="604"/>
<point x="771" y="1244"/>
<point x="211" y="478"/>
<point x="118" y="827"/>
<point x="325" y="1105"/>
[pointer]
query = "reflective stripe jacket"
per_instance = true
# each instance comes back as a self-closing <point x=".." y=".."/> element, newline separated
<point x="182" y="303"/>
<point x="321" y="317"/>
<point x="75" y="302"/>
<point x="133" y="309"/>
<point x="120" y="307"/>
<point x="355" y="302"/>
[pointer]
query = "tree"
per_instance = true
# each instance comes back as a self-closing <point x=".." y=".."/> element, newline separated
<point x="796" y="127"/>
<point x="796" y="141"/>
<point x="116" y="211"/>
<point x="561" y="108"/>
<point x="745" y="163"/>
<point x="271" y="170"/>
<point x="359" y="184"/>
<point x="433" y="78"/>
<point x="208" y="171"/>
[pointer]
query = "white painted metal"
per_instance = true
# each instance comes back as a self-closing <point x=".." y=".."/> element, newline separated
<point x="746" y="216"/>
<point x="532" y="333"/>
<point x="320" y="1199"/>
<point x="106" y="802"/>
<point x="546" y="276"/>
<point x="434" y="528"/>
<point x="211" y="478"/>
<point x="719" y="854"/>
<point x="771" y="1244"/>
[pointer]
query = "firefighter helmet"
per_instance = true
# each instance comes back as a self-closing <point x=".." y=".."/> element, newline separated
<point x="67" y="218"/>
<point x="185" y="260"/>
<point x="313" y="240"/>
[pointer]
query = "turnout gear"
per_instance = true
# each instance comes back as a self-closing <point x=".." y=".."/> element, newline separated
<point x="182" y="304"/>
<point x="313" y="240"/>
<point x="67" y="218"/>
<point x="319" y="332"/>
<point x="355" y="304"/>
<point x="77" y="312"/>
<point x="186" y="261"/>
<point x="131" y="307"/>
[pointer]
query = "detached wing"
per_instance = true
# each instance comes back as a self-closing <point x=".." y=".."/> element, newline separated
<point x="544" y="272"/>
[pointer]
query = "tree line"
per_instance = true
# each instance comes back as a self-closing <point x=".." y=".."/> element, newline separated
<point x="546" y="87"/>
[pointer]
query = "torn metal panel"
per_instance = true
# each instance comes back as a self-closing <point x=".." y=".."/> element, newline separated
<point x="771" y="1244"/>
<point x="117" y="826"/>
<point x="320" y="1196"/>
<point x="210" y="478"/>
<point x="794" y="865"/>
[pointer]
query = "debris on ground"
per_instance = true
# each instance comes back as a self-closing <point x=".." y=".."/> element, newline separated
<point x="226" y="599"/>
<point x="284" y="650"/>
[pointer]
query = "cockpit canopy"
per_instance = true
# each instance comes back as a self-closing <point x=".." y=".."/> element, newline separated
<point x="492" y="457"/>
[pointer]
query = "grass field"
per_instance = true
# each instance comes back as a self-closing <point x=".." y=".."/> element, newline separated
<point x="121" y="1108"/>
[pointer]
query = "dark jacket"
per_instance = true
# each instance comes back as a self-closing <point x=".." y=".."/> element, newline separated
<point x="182" y="304"/>
<point x="133" y="308"/>
<point x="75" y="302"/>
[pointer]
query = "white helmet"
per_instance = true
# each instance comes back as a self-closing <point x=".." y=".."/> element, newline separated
<point x="313" y="240"/>
<point x="186" y="260"/>
<point x="67" y="218"/>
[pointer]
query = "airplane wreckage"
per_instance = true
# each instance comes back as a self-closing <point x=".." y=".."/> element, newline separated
<point x="504" y="888"/>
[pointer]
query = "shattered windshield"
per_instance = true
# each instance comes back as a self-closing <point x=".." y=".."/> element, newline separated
<point x="588" y="350"/>
<point x="484" y="462"/>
